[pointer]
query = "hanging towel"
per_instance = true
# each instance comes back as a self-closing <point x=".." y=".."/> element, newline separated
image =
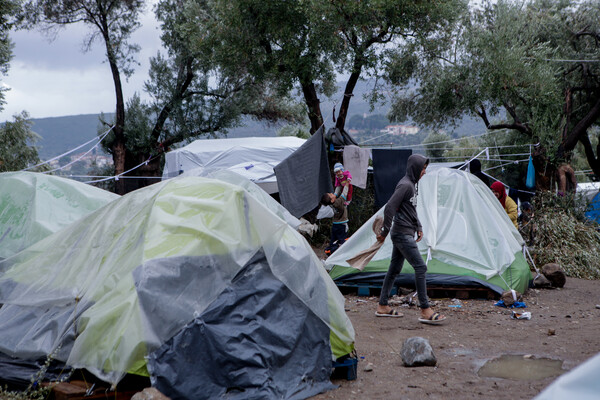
<point x="356" y="160"/>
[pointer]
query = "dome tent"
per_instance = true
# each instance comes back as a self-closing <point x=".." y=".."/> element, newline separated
<point x="468" y="239"/>
<point x="189" y="271"/>
<point x="35" y="205"/>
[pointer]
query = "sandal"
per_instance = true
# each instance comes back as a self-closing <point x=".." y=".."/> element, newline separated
<point x="435" y="319"/>
<point x="392" y="313"/>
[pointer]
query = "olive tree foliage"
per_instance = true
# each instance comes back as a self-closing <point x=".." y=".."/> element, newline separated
<point x="190" y="98"/>
<point x="111" y="23"/>
<point x="305" y="45"/>
<point x="8" y="9"/>
<point x="17" y="140"/>
<point x="525" y="67"/>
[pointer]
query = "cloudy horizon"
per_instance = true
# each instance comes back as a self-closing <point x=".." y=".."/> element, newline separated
<point x="56" y="78"/>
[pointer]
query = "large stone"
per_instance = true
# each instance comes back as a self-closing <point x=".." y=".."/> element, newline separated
<point x="416" y="352"/>
<point x="555" y="274"/>
<point x="149" y="394"/>
<point x="541" y="281"/>
<point x="509" y="299"/>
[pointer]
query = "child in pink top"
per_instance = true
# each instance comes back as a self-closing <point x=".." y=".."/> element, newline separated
<point x="343" y="185"/>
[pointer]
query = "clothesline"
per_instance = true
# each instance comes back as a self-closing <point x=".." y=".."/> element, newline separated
<point x="99" y="139"/>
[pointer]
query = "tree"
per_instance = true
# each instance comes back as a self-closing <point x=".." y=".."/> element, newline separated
<point x="191" y="98"/>
<point x="437" y="146"/>
<point x="518" y="66"/>
<point x="17" y="150"/>
<point x="110" y="21"/>
<point x="8" y="10"/>
<point x="305" y="44"/>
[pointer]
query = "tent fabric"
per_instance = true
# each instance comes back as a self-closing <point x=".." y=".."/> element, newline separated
<point x="252" y="157"/>
<point x="84" y="292"/>
<point x="251" y="187"/>
<point x="223" y="356"/>
<point x="389" y="166"/>
<point x="304" y="176"/>
<point x="580" y="383"/>
<point x="466" y="232"/>
<point x="35" y="205"/>
<point x="593" y="211"/>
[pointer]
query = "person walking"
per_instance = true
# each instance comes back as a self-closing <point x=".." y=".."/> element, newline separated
<point x="402" y="223"/>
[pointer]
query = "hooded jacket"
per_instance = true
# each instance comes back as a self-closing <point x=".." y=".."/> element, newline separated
<point x="401" y="208"/>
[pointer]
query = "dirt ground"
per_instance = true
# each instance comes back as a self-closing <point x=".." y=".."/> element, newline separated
<point x="564" y="325"/>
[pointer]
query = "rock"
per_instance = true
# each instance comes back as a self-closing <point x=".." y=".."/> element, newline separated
<point x="509" y="299"/>
<point x="149" y="394"/>
<point x="416" y="352"/>
<point x="551" y="332"/>
<point x="555" y="274"/>
<point x="541" y="281"/>
<point x="368" y="367"/>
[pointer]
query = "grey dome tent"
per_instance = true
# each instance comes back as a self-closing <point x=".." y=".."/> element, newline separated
<point x="190" y="281"/>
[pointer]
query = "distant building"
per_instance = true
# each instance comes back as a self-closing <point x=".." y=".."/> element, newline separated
<point x="400" y="130"/>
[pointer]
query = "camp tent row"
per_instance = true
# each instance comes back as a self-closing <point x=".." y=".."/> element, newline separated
<point x="192" y="282"/>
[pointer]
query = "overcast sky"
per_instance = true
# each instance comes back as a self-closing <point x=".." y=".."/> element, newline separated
<point x="49" y="79"/>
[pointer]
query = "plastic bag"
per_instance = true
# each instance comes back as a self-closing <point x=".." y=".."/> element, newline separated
<point x="530" y="182"/>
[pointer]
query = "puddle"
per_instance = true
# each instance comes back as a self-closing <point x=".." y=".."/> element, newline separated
<point x="520" y="368"/>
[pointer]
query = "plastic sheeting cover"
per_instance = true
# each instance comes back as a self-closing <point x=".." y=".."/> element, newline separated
<point x="463" y="225"/>
<point x="34" y="205"/>
<point x="251" y="187"/>
<point x="279" y="348"/>
<point x="89" y="267"/>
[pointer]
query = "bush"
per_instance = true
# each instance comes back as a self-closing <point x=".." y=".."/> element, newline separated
<point x="564" y="236"/>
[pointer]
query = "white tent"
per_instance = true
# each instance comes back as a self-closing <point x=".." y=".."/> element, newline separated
<point x="467" y="233"/>
<point x="580" y="383"/>
<point x="252" y="157"/>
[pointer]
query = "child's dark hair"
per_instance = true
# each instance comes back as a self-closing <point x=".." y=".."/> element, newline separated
<point x="325" y="200"/>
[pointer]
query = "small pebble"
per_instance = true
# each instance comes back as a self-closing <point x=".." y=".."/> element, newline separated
<point x="368" y="367"/>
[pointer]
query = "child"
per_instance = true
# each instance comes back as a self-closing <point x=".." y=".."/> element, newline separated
<point x="343" y="185"/>
<point x="340" y="221"/>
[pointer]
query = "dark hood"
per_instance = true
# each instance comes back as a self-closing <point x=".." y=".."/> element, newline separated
<point x="414" y="166"/>
<point x="475" y="166"/>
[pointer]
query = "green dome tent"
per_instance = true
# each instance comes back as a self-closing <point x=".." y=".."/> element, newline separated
<point x="468" y="239"/>
<point x="191" y="281"/>
<point x="34" y="205"/>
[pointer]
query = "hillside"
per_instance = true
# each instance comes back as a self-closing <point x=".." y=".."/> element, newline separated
<point x="61" y="134"/>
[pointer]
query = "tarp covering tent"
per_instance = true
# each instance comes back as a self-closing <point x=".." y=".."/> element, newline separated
<point x="468" y="238"/>
<point x="191" y="281"/>
<point x="251" y="157"/>
<point x="580" y="383"/>
<point x="252" y="188"/>
<point x="593" y="211"/>
<point x="35" y="205"/>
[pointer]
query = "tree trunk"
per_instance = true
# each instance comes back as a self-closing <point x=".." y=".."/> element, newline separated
<point x="119" y="152"/>
<point x="348" y="93"/>
<point x="314" y="106"/>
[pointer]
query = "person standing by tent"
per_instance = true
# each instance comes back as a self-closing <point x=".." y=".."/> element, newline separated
<point x="339" y="228"/>
<point x="402" y="223"/>
<point x="508" y="204"/>
<point x="475" y="169"/>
